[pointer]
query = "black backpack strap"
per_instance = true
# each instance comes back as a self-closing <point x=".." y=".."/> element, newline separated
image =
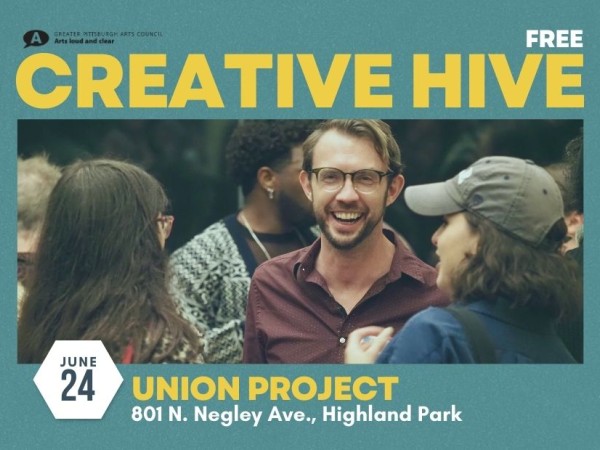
<point x="477" y="335"/>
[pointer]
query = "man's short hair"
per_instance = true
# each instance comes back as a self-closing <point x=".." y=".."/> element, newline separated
<point x="376" y="131"/>
<point x="574" y="157"/>
<point x="560" y="173"/>
<point x="36" y="177"/>
<point x="258" y="143"/>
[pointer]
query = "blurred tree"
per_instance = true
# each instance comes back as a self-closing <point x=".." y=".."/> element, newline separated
<point x="187" y="157"/>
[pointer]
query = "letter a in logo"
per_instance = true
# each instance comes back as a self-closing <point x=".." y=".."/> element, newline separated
<point x="35" y="38"/>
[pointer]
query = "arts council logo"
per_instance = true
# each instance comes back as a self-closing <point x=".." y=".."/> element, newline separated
<point x="37" y="38"/>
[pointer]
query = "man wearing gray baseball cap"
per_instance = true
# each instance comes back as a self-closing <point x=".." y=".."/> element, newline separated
<point x="499" y="261"/>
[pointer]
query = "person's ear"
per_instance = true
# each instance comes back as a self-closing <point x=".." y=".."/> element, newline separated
<point x="305" y="183"/>
<point x="394" y="189"/>
<point x="574" y="221"/>
<point x="268" y="180"/>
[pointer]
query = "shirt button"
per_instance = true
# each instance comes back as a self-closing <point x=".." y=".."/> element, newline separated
<point x="342" y="340"/>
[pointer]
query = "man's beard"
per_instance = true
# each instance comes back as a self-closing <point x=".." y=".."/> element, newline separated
<point x="364" y="233"/>
<point x="293" y="213"/>
<point x="346" y="245"/>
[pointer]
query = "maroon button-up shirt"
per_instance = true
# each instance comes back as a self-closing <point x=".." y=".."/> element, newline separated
<point x="293" y="318"/>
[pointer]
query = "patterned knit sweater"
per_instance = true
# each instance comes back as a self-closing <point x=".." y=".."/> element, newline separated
<point x="210" y="283"/>
<point x="211" y="278"/>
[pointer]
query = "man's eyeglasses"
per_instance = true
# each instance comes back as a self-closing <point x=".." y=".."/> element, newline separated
<point x="364" y="181"/>
<point x="167" y="223"/>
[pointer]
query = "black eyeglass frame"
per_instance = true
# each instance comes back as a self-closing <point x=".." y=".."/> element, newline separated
<point x="352" y="175"/>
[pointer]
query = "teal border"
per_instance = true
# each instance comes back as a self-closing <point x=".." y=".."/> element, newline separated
<point x="504" y="407"/>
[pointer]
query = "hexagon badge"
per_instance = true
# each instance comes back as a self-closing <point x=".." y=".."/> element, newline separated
<point x="78" y="379"/>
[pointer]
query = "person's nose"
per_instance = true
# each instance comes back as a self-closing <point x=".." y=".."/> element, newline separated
<point x="347" y="193"/>
<point x="436" y="236"/>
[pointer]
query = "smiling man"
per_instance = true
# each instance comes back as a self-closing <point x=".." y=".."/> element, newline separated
<point x="303" y="305"/>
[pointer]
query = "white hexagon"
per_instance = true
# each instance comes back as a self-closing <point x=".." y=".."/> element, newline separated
<point x="78" y="379"/>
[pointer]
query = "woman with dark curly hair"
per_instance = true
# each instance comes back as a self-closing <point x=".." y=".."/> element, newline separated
<point x="100" y="271"/>
<point x="500" y="262"/>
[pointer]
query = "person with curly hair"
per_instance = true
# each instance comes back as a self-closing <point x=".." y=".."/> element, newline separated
<point x="500" y="261"/>
<point x="101" y="272"/>
<point x="212" y="272"/>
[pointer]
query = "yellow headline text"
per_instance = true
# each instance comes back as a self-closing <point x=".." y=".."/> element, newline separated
<point x="141" y="81"/>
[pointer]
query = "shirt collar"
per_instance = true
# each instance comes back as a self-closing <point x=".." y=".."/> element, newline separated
<point x="403" y="261"/>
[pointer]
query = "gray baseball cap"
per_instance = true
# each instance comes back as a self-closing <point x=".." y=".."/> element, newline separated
<point x="515" y="194"/>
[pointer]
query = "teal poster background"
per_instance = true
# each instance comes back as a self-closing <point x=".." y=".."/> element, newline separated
<point x="503" y="407"/>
